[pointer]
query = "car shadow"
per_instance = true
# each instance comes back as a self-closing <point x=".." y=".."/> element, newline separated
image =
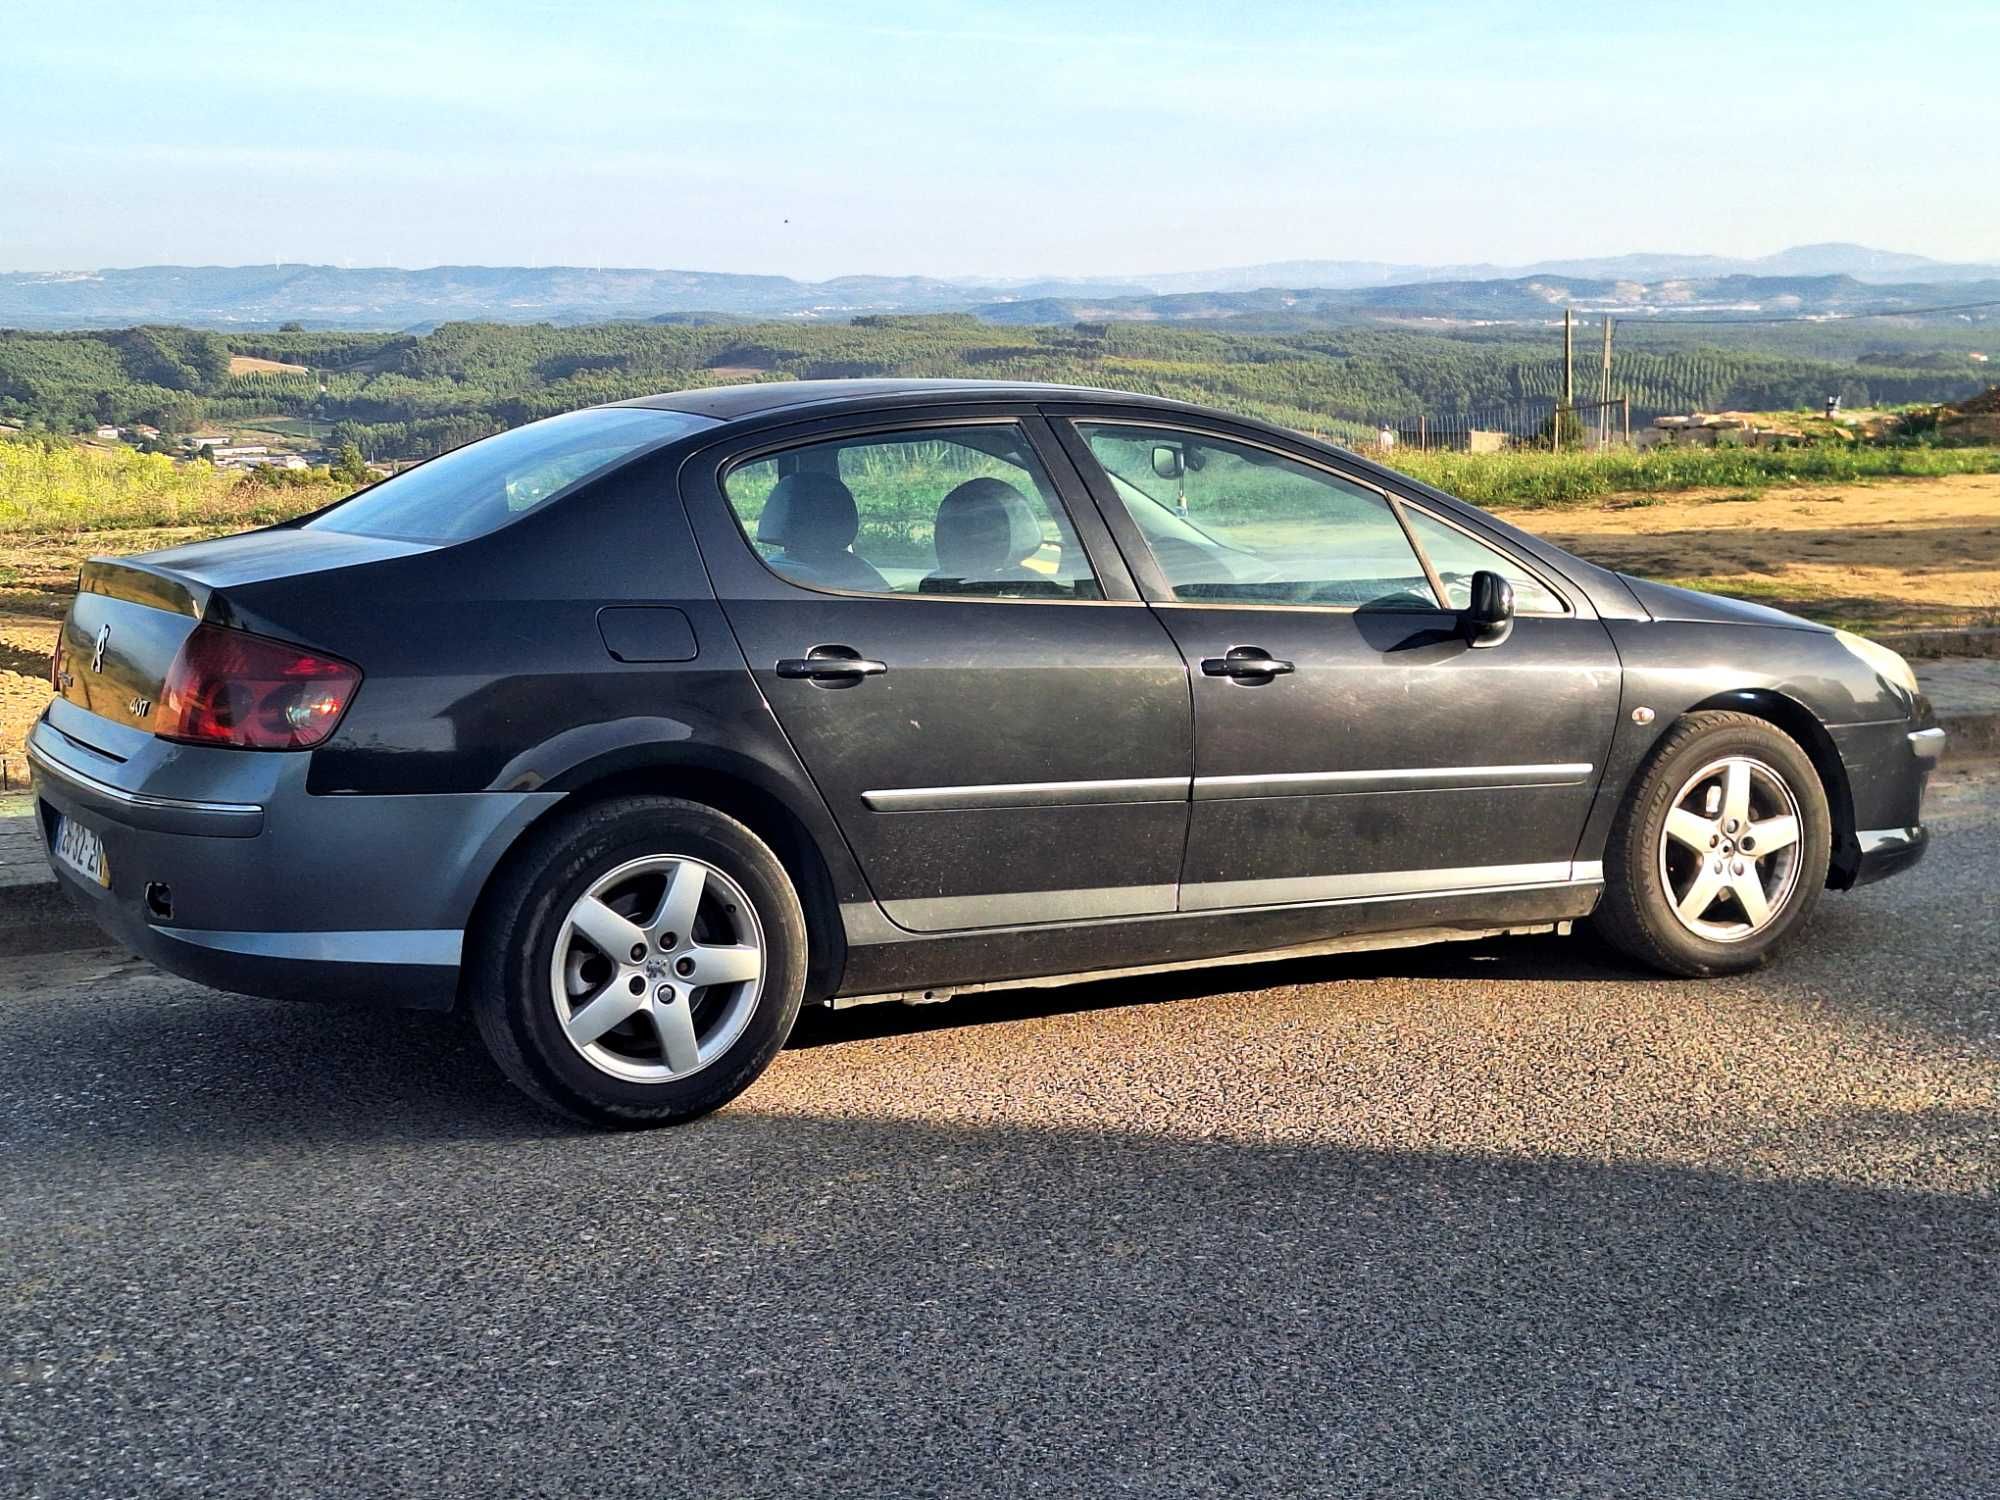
<point x="1581" y="956"/>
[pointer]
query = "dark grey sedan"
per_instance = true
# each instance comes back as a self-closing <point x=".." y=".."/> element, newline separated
<point x="635" y="729"/>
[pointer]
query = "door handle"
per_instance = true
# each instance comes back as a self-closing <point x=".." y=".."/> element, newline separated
<point x="838" y="665"/>
<point x="1241" y="662"/>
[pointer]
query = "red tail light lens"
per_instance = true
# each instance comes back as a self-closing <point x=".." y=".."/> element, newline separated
<point x="248" y="692"/>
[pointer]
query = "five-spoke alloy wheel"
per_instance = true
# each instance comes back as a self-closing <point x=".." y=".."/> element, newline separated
<point x="640" y="962"/>
<point x="1719" y="851"/>
<point x="658" y="968"/>
<point x="1729" y="853"/>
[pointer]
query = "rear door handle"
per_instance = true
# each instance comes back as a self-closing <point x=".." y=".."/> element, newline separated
<point x="1240" y="662"/>
<point x="840" y="666"/>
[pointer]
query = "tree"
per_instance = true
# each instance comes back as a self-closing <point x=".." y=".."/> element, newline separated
<point x="351" y="467"/>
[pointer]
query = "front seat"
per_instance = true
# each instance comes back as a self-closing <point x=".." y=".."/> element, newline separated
<point x="985" y="531"/>
<point x="811" y="520"/>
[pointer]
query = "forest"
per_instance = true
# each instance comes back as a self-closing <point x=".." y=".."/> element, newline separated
<point x="409" y="395"/>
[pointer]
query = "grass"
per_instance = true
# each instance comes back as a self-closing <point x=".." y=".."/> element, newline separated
<point x="65" y="488"/>
<point x="1554" y="481"/>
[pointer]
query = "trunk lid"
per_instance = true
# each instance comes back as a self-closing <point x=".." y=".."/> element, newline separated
<point x="131" y="614"/>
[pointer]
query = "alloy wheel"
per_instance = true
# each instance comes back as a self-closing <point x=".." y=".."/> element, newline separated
<point x="1729" y="850"/>
<point x="658" y="967"/>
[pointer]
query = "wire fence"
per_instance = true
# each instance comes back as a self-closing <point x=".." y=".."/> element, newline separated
<point x="1515" y="425"/>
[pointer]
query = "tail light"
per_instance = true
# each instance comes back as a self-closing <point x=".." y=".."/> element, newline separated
<point x="249" y="692"/>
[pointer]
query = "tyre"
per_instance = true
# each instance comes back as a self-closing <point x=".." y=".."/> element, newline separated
<point x="1720" y="851"/>
<point x="639" y="963"/>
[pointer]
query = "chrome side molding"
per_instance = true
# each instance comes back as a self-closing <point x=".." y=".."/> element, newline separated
<point x="1212" y="895"/>
<point x="1027" y="794"/>
<point x="1213" y="788"/>
<point x="1411" y="779"/>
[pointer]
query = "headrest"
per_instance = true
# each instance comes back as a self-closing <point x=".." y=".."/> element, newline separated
<point x="983" y="527"/>
<point x="810" y="513"/>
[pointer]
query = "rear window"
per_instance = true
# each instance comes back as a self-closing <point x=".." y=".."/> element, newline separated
<point x="484" y="485"/>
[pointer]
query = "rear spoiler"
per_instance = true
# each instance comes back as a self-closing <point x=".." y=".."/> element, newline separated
<point x="125" y="578"/>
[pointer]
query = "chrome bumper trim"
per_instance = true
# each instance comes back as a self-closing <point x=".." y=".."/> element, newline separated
<point x="439" y="948"/>
<point x="145" y="810"/>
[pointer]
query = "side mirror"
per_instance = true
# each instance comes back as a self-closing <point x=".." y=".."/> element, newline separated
<point x="1489" y="619"/>
<point x="1168" y="463"/>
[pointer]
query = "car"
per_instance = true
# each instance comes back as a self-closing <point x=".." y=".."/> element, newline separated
<point x="633" y="730"/>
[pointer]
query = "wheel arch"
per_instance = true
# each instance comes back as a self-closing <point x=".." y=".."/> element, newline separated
<point x="1803" y="725"/>
<point x="735" y="786"/>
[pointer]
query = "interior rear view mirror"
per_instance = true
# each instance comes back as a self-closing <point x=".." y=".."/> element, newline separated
<point x="1167" y="462"/>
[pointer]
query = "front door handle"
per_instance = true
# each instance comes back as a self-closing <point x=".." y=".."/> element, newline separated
<point x="1245" y="663"/>
<point x="831" y="666"/>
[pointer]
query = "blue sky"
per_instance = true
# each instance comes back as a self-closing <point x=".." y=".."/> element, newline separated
<point x="986" y="139"/>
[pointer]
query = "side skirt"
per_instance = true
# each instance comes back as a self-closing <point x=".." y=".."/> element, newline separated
<point x="1360" y="942"/>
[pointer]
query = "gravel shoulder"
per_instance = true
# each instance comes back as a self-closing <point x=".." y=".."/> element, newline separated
<point x="1890" y="554"/>
<point x="1501" y="1218"/>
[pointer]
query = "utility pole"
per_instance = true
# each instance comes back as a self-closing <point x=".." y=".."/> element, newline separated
<point x="1604" y="392"/>
<point x="1569" y="381"/>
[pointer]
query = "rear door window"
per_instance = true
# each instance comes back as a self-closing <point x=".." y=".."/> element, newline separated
<point x="962" y="511"/>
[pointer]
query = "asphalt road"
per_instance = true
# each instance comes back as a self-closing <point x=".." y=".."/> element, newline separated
<point x="1495" y="1219"/>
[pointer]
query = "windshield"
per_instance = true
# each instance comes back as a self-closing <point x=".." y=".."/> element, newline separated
<point x="484" y="485"/>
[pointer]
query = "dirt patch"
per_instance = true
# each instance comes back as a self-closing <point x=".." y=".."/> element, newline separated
<point x="1890" y="554"/>
<point x="249" y="364"/>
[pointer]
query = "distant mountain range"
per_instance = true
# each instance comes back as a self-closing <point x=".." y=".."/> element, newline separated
<point x="1526" y="299"/>
<point x="1858" y="261"/>
<point x="1809" y="279"/>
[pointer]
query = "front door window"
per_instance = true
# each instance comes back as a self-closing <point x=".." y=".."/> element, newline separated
<point x="1229" y="523"/>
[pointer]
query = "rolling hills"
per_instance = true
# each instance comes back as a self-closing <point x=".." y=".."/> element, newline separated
<point x="1808" y="280"/>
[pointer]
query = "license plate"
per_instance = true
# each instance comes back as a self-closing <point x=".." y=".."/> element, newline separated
<point x="82" y="851"/>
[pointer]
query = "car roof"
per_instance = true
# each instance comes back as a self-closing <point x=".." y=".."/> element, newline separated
<point x="728" y="403"/>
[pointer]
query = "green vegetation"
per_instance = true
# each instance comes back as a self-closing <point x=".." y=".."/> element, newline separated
<point x="408" y="395"/>
<point x="1539" y="480"/>
<point x="375" y="396"/>
<point x="52" y="486"/>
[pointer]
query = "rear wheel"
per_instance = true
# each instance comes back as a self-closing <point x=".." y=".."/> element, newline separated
<point x="1720" y="851"/>
<point x="640" y="963"/>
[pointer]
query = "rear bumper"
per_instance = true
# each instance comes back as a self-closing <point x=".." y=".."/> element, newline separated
<point x="260" y="888"/>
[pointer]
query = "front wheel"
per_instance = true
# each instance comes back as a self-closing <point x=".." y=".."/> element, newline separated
<point x="1720" y="851"/>
<point x="639" y="963"/>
